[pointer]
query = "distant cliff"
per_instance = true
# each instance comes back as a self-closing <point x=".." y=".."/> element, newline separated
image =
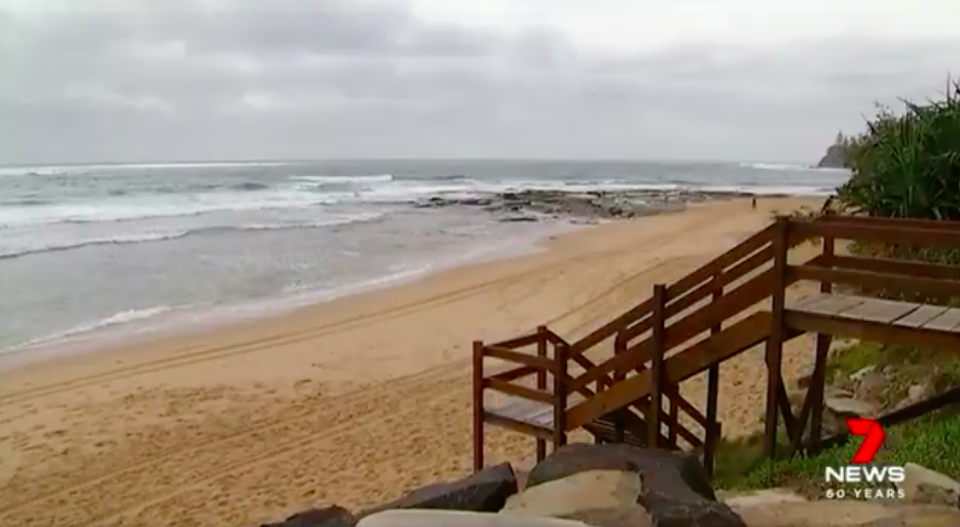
<point x="836" y="156"/>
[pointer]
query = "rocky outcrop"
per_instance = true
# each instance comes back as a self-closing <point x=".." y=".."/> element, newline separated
<point x="334" y="516"/>
<point x="534" y="205"/>
<point x="672" y="488"/>
<point x="834" y="158"/>
<point x="484" y="491"/>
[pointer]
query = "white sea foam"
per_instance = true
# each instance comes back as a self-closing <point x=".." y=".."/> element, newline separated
<point x="156" y="206"/>
<point x="344" y="179"/>
<point x="30" y="244"/>
<point x="117" y="319"/>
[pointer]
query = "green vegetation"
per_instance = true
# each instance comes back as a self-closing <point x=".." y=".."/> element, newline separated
<point x="907" y="166"/>
<point x="929" y="441"/>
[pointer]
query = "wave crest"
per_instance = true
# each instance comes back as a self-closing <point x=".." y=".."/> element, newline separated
<point x="150" y="237"/>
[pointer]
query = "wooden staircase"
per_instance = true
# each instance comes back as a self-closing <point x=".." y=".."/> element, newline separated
<point x="709" y="316"/>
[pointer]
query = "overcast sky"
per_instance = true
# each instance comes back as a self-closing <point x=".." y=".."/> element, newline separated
<point x="137" y="80"/>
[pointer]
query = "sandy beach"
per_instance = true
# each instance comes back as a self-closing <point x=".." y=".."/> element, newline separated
<point x="351" y="402"/>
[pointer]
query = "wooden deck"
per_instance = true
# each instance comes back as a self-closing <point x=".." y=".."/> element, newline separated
<point x="527" y="411"/>
<point x="889" y="312"/>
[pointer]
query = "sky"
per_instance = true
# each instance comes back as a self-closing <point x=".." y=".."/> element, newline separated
<point x="168" y="80"/>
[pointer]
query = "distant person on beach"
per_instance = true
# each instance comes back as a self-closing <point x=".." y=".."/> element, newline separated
<point x="753" y="203"/>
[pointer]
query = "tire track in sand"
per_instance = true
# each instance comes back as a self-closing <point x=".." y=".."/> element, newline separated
<point x="427" y="400"/>
<point x="265" y="343"/>
<point x="357" y="398"/>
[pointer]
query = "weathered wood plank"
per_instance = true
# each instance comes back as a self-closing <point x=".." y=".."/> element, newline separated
<point x="879" y="310"/>
<point x="540" y="363"/>
<point x="517" y="426"/>
<point x="829" y="304"/>
<point x="921" y="316"/>
<point x="873" y="331"/>
<point x="946" y="321"/>
<point x="526" y="411"/>
<point x="880" y="281"/>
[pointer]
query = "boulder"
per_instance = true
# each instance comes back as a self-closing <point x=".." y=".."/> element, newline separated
<point x="601" y="498"/>
<point x="440" y="518"/>
<point x="485" y="491"/>
<point x="871" y="387"/>
<point x="925" y="486"/>
<point x="674" y="488"/>
<point x="334" y="516"/>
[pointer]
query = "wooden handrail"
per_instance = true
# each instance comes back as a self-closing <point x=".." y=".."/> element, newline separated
<point x="708" y="270"/>
<point x="516" y="390"/>
<point x="679" y="367"/>
<point x="692" y="280"/>
<point x="891" y="234"/>
<point x="701" y="293"/>
<point x="896" y="266"/>
<point x="894" y="222"/>
<point x="521" y="358"/>
<point x="518" y="342"/>
<point x="514" y="373"/>
<point x="872" y="280"/>
<point x="743" y="297"/>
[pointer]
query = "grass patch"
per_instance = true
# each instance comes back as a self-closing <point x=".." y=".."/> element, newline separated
<point x="930" y="441"/>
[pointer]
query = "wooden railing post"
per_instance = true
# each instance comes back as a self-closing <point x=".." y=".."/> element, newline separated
<point x="656" y="392"/>
<point x="774" y="352"/>
<point x="674" y="419"/>
<point x="541" y="383"/>
<point x="619" y="429"/>
<point x="818" y="383"/>
<point x="477" y="406"/>
<point x="561" y="352"/>
<point x="713" y="388"/>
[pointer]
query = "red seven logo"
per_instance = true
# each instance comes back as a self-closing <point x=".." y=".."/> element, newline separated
<point x="873" y="436"/>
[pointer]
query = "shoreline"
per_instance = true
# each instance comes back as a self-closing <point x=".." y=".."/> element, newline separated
<point x="351" y="401"/>
<point x="557" y="211"/>
<point x="188" y="320"/>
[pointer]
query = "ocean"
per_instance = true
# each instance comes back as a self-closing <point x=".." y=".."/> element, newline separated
<point x="91" y="252"/>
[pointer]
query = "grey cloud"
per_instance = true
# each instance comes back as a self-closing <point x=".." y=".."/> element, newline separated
<point x="336" y="78"/>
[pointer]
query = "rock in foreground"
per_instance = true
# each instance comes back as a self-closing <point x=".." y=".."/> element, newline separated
<point x="672" y="487"/>
<point x="485" y="491"/>
<point x="334" y="516"/>
<point x="438" y="518"/>
<point x="601" y="498"/>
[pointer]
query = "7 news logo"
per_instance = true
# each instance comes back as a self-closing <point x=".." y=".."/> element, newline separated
<point x="860" y="469"/>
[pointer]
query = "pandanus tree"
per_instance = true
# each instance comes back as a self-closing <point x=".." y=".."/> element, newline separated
<point x="908" y="165"/>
